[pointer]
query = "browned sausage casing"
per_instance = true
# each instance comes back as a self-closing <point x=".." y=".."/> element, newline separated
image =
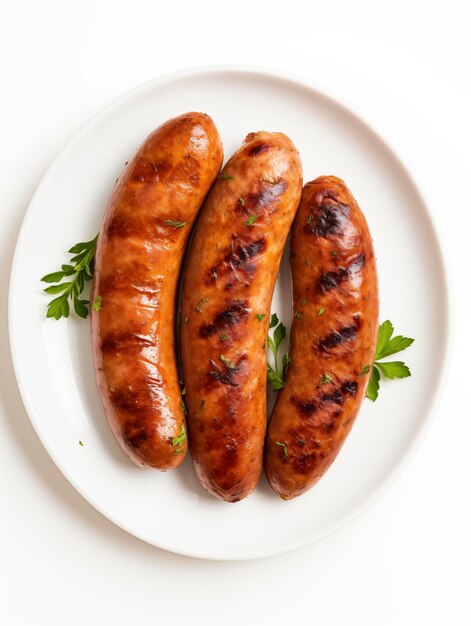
<point x="228" y="287"/>
<point x="140" y="250"/>
<point x="333" y="337"/>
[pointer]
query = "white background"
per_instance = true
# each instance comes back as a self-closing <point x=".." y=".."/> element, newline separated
<point x="405" y="66"/>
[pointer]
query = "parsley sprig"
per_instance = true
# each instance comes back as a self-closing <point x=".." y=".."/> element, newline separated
<point x="80" y="271"/>
<point x="386" y="346"/>
<point x="177" y="442"/>
<point x="174" y="223"/>
<point x="275" y="374"/>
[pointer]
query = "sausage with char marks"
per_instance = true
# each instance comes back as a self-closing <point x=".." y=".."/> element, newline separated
<point x="138" y="258"/>
<point x="333" y="337"/>
<point x="228" y="287"/>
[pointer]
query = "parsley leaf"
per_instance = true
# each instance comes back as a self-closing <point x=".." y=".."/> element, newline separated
<point x="393" y="369"/>
<point x="97" y="303"/>
<point x="226" y="177"/>
<point x="373" y="385"/>
<point x="250" y="221"/>
<point x="175" y="224"/>
<point x="397" y="344"/>
<point x="200" y="304"/>
<point x="386" y="346"/>
<point x="177" y="442"/>
<point x="385" y="332"/>
<point x="80" y="270"/>
<point x="283" y="445"/>
<point x="274" y="379"/>
<point x="285" y="361"/>
<point x="275" y="375"/>
<point x="230" y="364"/>
<point x="260" y="316"/>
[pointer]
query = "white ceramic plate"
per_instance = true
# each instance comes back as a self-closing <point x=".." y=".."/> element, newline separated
<point x="53" y="359"/>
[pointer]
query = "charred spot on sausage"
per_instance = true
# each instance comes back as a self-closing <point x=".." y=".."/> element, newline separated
<point x="226" y="375"/>
<point x="149" y="171"/>
<point x="305" y="407"/>
<point x="238" y="259"/>
<point x="338" y="337"/>
<point x="116" y="341"/>
<point x="329" y="219"/>
<point x="242" y="254"/>
<point x="231" y="454"/>
<point x="135" y="432"/>
<point x="349" y="387"/>
<point x="335" y="397"/>
<point x="258" y="148"/>
<point x="233" y="314"/>
<point x="330" y="193"/>
<point x="331" y="280"/>
<point x="267" y="194"/>
<point x="303" y="464"/>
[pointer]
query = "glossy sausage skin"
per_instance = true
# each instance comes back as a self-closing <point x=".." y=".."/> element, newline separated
<point x="228" y="282"/>
<point x="140" y="251"/>
<point x="333" y="337"/>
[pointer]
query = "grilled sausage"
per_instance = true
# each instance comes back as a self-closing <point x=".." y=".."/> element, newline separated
<point x="228" y="287"/>
<point x="333" y="337"/>
<point x="140" y="250"/>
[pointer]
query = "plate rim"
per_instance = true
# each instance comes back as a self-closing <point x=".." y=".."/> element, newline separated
<point x="447" y="300"/>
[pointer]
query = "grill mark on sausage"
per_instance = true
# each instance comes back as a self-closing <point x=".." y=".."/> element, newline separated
<point x="338" y="337"/>
<point x="231" y="454"/>
<point x="349" y="387"/>
<point x="226" y="375"/>
<point x="306" y="408"/>
<point x="132" y="398"/>
<point x="233" y="314"/>
<point x="133" y="278"/>
<point x="188" y="170"/>
<point x="304" y="463"/>
<point x="331" y="280"/>
<point x="242" y="254"/>
<point x="150" y="171"/>
<point x="258" y="148"/>
<point x="330" y="193"/>
<point x="129" y="341"/>
<point x="335" y="397"/>
<point x="127" y="226"/>
<point x="329" y="219"/>
<point x="267" y="193"/>
<point x="239" y="259"/>
<point x="147" y="227"/>
<point x="135" y="436"/>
